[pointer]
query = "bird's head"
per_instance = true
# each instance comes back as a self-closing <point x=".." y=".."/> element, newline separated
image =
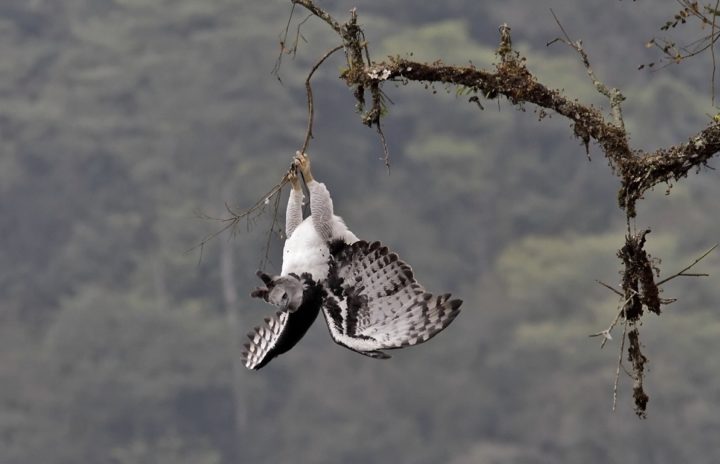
<point x="285" y="292"/>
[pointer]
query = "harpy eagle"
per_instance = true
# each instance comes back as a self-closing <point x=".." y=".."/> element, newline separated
<point x="368" y="295"/>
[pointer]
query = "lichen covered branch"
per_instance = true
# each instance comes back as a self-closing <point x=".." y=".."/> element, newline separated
<point x="510" y="78"/>
<point x="667" y="164"/>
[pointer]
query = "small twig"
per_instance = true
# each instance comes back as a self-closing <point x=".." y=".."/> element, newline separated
<point x="230" y="222"/>
<point x="712" y="53"/>
<point x="619" y="364"/>
<point x="311" y="106"/>
<point x="276" y="69"/>
<point x="675" y="54"/>
<point x="365" y="46"/>
<point x="262" y="201"/>
<point x="616" y="98"/>
<point x="320" y="13"/>
<point x="236" y="217"/>
<point x="276" y="209"/>
<point x="298" y="35"/>
<point x="684" y="274"/>
<point x="284" y="50"/>
<point x="609" y="287"/>
<point x="606" y="334"/>
<point x="386" y="153"/>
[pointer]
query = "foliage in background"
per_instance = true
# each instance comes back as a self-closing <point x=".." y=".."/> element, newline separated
<point x="121" y="119"/>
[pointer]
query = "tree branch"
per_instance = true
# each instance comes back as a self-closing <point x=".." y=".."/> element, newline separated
<point x="310" y="103"/>
<point x="683" y="273"/>
<point x="614" y="96"/>
<point x="510" y="78"/>
<point x="320" y="13"/>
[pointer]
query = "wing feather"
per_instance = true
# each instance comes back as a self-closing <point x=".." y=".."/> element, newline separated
<point x="374" y="301"/>
<point x="283" y="330"/>
<point x="263" y="345"/>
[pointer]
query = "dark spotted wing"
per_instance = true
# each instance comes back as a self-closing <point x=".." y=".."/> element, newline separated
<point x="373" y="301"/>
<point x="283" y="330"/>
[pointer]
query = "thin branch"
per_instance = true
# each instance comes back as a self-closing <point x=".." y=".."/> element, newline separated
<point x="320" y="13"/>
<point x="276" y="69"/>
<point x="276" y="209"/>
<point x="616" y="98"/>
<point x="235" y="217"/>
<point x="674" y="54"/>
<point x="712" y="53"/>
<point x="230" y="222"/>
<point x="606" y="334"/>
<point x="617" y="292"/>
<point x="386" y="153"/>
<point x="619" y="363"/>
<point x="684" y="274"/>
<point x="672" y="163"/>
<point x="262" y="201"/>
<point x="298" y="35"/>
<point x="310" y="104"/>
<point x="284" y="49"/>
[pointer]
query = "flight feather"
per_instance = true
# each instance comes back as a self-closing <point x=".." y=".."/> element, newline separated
<point x="373" y="301"/>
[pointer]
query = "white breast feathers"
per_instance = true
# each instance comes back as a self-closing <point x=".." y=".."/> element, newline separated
<point x="306" y="251"/>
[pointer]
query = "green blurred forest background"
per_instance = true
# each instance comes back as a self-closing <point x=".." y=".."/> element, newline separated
<point x="121" y="119"/>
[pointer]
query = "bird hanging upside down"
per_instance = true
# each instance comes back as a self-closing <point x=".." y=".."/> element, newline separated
<point x="369" y="297"/>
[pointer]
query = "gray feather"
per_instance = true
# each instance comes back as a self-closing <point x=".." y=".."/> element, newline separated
<point x="375" y="302"/>
<point x="263" y="339"/>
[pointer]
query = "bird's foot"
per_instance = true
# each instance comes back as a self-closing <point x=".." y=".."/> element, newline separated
<point x="302" y="161"/>
<point x="293" y="178"/>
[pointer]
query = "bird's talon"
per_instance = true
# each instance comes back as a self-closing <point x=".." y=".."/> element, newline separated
<point x="293" y="178"/>
<point x="302" y="160"/>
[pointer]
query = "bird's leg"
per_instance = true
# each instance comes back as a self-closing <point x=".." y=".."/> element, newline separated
<point x="321" y="207"/>
<point x="293" y="214"/>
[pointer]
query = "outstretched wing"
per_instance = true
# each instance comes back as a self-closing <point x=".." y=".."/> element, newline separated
<point x="277" y="335"/>
<point x="373" y="301"/>
<point x="266" y="341"/>
<point x="285" y="328"/>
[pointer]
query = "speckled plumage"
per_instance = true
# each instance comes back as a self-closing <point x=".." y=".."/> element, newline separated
<point x="369" y="296"/>
<point x="374" y="301"/>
